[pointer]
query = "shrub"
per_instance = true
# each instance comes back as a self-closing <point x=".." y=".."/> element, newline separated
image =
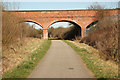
<point x="105" y="38"/>
<point x="11" y="30"/>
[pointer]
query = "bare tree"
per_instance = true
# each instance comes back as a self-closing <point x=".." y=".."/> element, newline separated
<point x="10" y="5"/>
<point x="96" y="6"/>
<point x="101" y="10"/>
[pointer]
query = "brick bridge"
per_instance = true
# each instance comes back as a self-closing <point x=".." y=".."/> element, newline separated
<point x="83" y="18"/>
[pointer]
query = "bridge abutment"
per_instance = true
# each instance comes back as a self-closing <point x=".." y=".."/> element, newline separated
<point x="83" y="31"/>
<point x="45" y="33"/>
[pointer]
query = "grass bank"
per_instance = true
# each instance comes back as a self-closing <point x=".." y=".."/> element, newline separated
<point x="100" y="68"/>
<point x="26" y="66"/>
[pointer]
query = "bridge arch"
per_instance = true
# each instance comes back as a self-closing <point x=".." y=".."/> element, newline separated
<point x="64" y="20"/>
<point x="33" y="21"/>
<point x="45" y="31"/>
<point x="92" y="24"/>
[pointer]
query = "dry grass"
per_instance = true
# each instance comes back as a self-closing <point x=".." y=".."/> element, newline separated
<point x="105" y="67"/>
<point x="23" y="70"/>
<point x="11" y="58"/>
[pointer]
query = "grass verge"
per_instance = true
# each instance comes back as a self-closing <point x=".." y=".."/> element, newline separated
<point x="99" y="67"/>
<point x="25" y="67"/>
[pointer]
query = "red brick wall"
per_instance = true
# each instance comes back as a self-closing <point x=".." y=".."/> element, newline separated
<point x="45" y="18"/>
